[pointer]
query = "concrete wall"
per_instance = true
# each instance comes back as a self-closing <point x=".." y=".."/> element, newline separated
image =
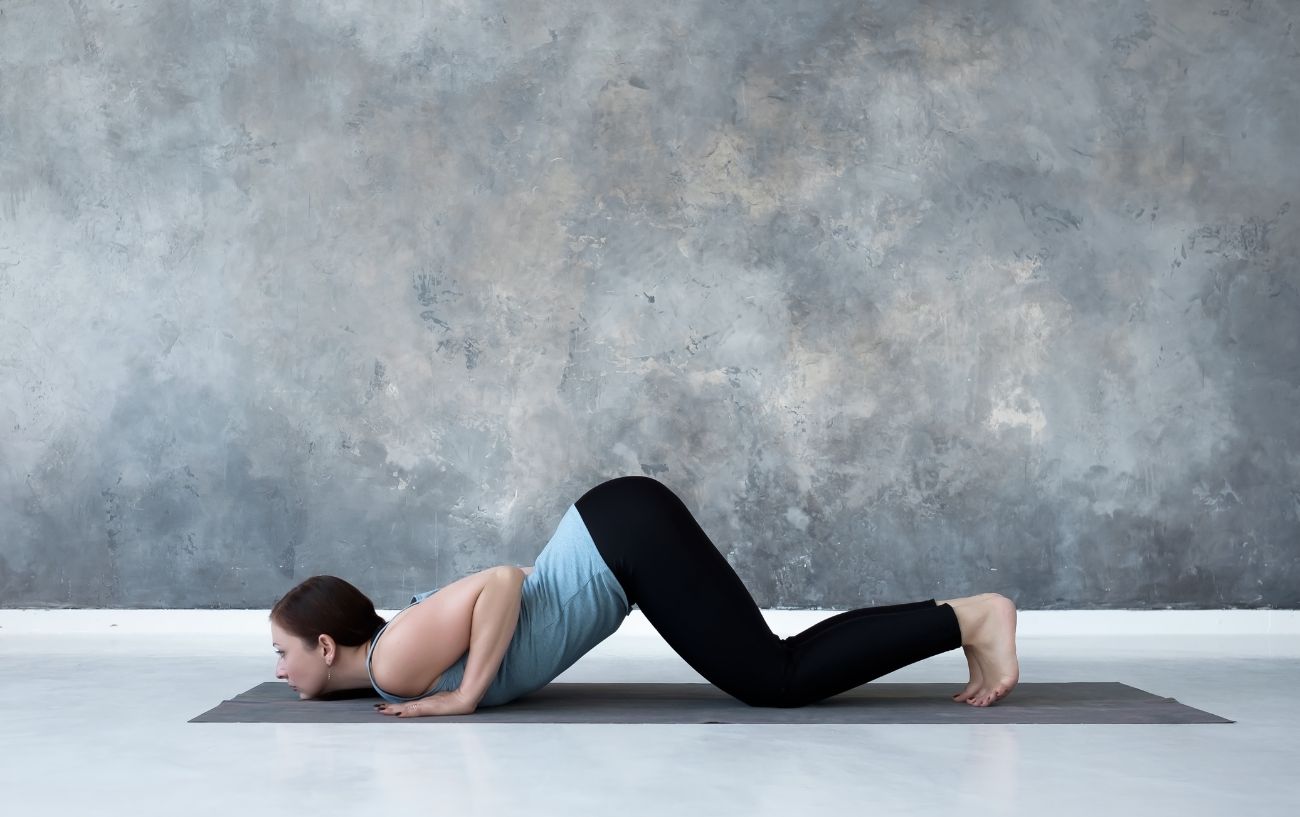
<point x="903" y="299"/>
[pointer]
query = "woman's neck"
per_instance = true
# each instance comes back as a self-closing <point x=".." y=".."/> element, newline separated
<point x="349" y="669"/>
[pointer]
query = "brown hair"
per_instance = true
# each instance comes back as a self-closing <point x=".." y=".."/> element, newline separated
<point x="327" y="605"/>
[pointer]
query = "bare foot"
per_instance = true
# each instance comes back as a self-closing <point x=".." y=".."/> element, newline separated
<point x="988" y="634"/>
<point x="972" y="660"/>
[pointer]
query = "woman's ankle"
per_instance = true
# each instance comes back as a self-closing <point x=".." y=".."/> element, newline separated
<point x="971" y="612"/>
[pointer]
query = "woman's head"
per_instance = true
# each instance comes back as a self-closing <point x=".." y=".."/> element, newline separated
<point x="311" y="621"/>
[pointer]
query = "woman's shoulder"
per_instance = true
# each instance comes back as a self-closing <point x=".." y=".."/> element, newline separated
<point x="425" y="639"/>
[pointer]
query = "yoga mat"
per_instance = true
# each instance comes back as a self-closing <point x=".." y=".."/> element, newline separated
<point x="1067" y="702"/>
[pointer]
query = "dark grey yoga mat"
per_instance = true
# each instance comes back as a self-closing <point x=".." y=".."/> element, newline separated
<point x="1068" y="702"/>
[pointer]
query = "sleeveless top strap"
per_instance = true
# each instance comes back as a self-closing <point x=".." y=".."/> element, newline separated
<point x="370" y="651"/>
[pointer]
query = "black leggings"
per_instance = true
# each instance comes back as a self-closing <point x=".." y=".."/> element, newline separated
<point x="687" y="590"/>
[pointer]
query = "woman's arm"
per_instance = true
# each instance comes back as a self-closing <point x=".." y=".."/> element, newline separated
<point x="526" y="570"/>
<point x="496" y="613"/>
<point x="491" y="602"/>
<point x="427" y="638"/>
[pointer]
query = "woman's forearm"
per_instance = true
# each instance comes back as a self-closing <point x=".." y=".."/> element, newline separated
<point x="492" y="625"/>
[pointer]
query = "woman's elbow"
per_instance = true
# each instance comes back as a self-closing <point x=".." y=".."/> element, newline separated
<point x="511" y="572"/>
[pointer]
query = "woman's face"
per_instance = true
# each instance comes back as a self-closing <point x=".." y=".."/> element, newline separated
<point x="304" y="669"/>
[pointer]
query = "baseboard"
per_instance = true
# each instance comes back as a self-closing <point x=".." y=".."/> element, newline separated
<point x="1031" y="623"/>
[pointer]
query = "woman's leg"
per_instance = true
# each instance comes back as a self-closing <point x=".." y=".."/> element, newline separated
<point x="694" y="599"/>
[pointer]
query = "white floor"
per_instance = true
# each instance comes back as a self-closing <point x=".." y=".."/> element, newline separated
<point x="93" y="721"/>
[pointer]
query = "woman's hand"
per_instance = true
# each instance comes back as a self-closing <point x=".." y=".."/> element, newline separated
<point x="440" y="703"/>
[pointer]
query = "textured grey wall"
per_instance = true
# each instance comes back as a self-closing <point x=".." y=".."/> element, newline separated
<point x="904" y="300"/>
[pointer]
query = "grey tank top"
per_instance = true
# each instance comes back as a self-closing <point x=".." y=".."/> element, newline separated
<point x="571" y="602"/>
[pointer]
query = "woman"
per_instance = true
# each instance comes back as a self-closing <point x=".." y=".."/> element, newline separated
<point x="496" y="635"/>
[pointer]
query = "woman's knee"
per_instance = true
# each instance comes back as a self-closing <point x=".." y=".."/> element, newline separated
<point x="765" y="682"/>
<point x="768" y="698"/>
